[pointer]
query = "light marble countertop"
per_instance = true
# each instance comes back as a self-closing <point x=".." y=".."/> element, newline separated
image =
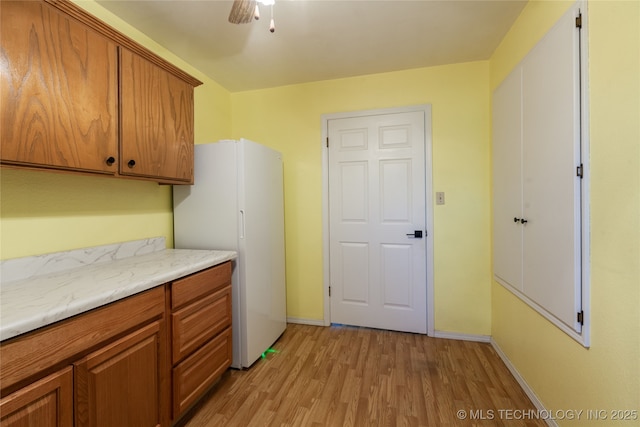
<point x="91" y="281"/>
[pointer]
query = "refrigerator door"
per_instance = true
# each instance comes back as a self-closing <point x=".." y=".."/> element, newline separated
<point x="261" y="248"/>
<point x="237" y="204"/>
<point x="205" y="214"/>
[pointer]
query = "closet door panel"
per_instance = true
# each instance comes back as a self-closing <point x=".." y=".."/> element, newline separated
<point x="507" y="180"/>
<point x="551" y="206"/>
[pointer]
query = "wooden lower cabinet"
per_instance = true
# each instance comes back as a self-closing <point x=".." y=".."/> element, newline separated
<point x="114" y="365"/>
<point x="111" y="369"/>
<point x="119" y="385"/>
<point x="201" y="333"/>
<point x="45" y="403"/>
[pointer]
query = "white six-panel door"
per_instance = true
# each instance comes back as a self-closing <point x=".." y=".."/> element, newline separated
<point x="376" y="203"/>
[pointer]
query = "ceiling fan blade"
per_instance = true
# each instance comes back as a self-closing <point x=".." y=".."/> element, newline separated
<point x="242" y="11"/>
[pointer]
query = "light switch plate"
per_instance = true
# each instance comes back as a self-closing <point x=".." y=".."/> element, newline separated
<point x="440" y="198"/>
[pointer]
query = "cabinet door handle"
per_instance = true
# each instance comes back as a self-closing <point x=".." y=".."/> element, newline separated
<point x="523" y="221"/>
<point x="111" y="160"/>
<point x="516" y="219"/>
<point x="131" y="163"/>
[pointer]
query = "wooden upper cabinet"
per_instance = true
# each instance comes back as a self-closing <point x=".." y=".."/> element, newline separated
<point x="58" y="90"/>
<point x="65" y="106"/>
<point x="156" y="119"/>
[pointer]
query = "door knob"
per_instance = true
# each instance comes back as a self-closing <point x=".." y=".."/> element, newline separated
<point x="417" y="234"/>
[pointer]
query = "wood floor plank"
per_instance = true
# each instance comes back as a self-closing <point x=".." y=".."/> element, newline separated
<point x="350" y="377"/>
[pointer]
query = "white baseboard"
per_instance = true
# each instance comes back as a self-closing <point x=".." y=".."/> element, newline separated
<point x="525" y="387"/>
<point x="312" y="322"/>
<point x="462" y="337"/>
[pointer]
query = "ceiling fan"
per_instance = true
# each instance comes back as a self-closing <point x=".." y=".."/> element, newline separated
<point x="245" y="11"/>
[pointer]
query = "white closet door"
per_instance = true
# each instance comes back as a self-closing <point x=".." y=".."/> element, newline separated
<point x="551" y="144"/>
<point x="507" y="180"/>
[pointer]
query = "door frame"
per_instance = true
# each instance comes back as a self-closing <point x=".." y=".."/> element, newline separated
<point x="426" y="110"/>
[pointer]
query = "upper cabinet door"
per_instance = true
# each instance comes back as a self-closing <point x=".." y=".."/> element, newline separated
<point x="156" y="119"/>
<point x="58" y="90"/>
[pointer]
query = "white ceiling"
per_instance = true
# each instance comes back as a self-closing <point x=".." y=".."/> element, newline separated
<point x="321" y="39"/>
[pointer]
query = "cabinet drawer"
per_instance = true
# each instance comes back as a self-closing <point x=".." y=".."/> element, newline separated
<point x="194" y="375"/>
<point x="195" y="286"/>
<point x="196" y="323"/>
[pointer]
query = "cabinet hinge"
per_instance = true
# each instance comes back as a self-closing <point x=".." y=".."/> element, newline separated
<point x="327" y="142"/>
<point x="579" y="21"/>
<point x="581" y="317"/>
<point x="579" y="171"/>
<point x="329" y="290"/>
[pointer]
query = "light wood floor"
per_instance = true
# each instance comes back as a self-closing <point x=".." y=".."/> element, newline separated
<point x="348" y="376"/>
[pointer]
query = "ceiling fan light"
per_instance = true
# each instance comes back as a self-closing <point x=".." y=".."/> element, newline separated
<point x="272" y="25"/>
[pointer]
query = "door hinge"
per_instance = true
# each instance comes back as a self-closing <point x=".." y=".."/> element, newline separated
<point x="327" y="142"/>
<point x="579" y="171"/>
<point x="579" y="21"/>
<point x="329" y="290"/>
<point x="581" y="317"/>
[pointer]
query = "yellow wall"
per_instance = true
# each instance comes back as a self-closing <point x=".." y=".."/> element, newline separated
<point x="44" y="212"/>
<point x="289" y="119"/>
<point x="561" y="372"/>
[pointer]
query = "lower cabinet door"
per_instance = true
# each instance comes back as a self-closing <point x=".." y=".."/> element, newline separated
<point x="45" y="403"/>
<point x="196" y="373"/>
<point x="119" y="385"/>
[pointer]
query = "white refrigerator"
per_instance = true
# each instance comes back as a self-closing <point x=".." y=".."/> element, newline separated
<point x="237" y="203"/>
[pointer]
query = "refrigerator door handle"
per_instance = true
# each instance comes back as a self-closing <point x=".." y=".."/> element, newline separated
<point x="242" y="223"/>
